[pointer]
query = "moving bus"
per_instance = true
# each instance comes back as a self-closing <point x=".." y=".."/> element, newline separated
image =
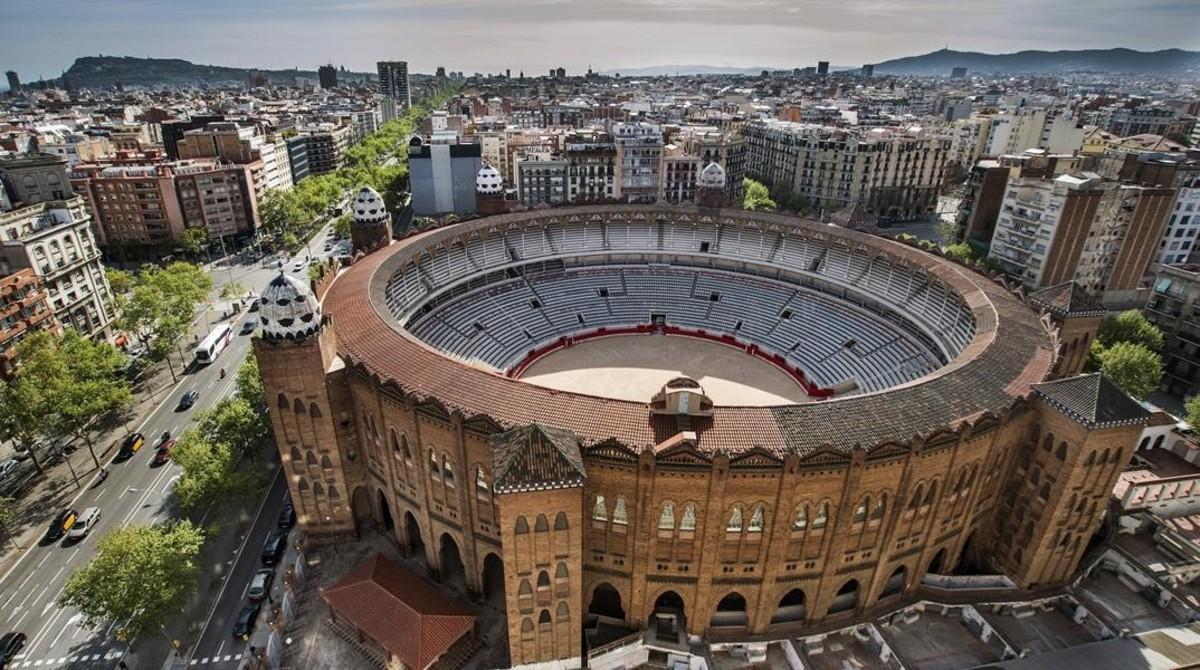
<point x="212" y="345"/>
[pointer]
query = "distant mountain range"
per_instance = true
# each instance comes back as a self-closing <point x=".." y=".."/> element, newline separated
<point x="1117" y="61"/>
<point x="99" y="72"/>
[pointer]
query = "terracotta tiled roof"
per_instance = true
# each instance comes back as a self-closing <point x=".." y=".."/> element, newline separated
<point x="1093" y="401"/>
<point x="1010" y="351"/>
<point x="399" y="611"/>
<point x="1067" y="299"/>
<point x="537" y="457"/>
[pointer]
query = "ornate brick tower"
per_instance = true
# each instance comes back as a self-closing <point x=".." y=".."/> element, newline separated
<point x="297" y="358"/>
<point x="710" y="187"/>
<point x="1083" y="435"/>
<point x="1078" y="318"/>
<point x="371" y="227"/>
<point x="539" y="478"/>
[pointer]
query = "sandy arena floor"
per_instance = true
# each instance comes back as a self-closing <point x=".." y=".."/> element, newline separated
<point x="635" y="367"/>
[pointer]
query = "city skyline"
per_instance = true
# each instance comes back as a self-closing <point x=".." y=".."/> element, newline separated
<point x="489" y="35"/>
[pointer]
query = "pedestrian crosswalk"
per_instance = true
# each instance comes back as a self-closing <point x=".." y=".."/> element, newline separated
<point x="74" y="660"/>
<point x="218" y="659"/>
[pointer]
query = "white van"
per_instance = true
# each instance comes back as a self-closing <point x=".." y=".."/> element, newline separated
<point x="84" y="524"/>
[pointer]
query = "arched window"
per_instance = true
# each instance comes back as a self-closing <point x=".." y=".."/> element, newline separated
<point x="1061" y="452"/>
<point x="666" y="520"/>
<point x="1035" y="433"/>
<point x="544" y="617"/>
<point x="318" y="490"/>
<point x="282" y="401"/>
<point x="481" y="482"/>
<point x="527" y="628"/>
<point x="1103" y="458"/>
<point x="860" y="512"/>
<point x="756" y="520"/>
<point x="333" y="492"/>
<point x="564" y="612"/>
<point x="543" y="581"/>
<point x="522" y="526"/>
<point x="447" y="471"/>
<point x="314" y="411"/>
<point x="599" y="510"/>
<point x="915" y="501"/>
<point x="326" y="463"/>
<point x="801" y="520"/>
<point x="434" y="471"/>
<point x="822" y="517"/>
<point x="298" y="406"/>
<point x="395" y="444"/>
<point x="1035" y="477"/>
<point x="560" y="521"/>
<point x="688" y="522"/>
<point x="1091" y="458"/>
<point x="297" y="459"/>
<point x="1048" y="442"/>
<point x="931" y="495"/>
<point x="735" y="520"/>
<point x="1044" y="493"/>
<point x="404" y="450"/>
<point x="560" y="574"/>
<point x="542" y="525"/>
<point x="310" y="459"/>
<point x="620" y="516"/>
<point x="302" y="484"/>
<point x="880" y="507"/>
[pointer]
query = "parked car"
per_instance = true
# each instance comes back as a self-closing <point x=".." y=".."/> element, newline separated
<point x="129" y="447"/>
<point x="287" y="516"/>
<point x="244" y="625"/>
<point x="10" y="645"/>
<point x="187" y="400"/>
<point x="254" y="305"/>
<point x="298" y="266"/>
<point x="260" y="584"/>
<point x="163" y="453"/>
<point x="8" y="466"/>
<point x="84" y="524"/>
<point x="61" y="523"/>
<point x="248" y="326"/>
<point x="273" y="549"/>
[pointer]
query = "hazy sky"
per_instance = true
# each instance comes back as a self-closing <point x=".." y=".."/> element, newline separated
<point x="43" y="37"/>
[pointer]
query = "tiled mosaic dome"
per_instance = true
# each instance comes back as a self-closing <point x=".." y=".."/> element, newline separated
<point x="712" y="176"/>
<point x="368" y="208"/>
<point x="488" y="180"/>
<point x="289" y="310"/>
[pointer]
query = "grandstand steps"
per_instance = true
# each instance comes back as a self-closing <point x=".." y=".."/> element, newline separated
<point x="815" y="265"/>
<point x="471" y="258"/>
<point x="549" y="240"/>
<point x="776" y="246"/>
<point x="661" y="225"/>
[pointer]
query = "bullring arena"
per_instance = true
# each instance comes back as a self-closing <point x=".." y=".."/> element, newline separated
<point x="733" y="425"/>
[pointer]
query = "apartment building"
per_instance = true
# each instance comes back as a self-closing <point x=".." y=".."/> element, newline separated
<point x="393" y="82"/>
<point x="891" y="172"/>
<point x="48" y="230"/>
<point x="541" y="179"/>
<point x="75" y="147"/>
<point x="143" y="210"/>
<point x="1173" y="308"/>
<point x="1138" y="118"/>
<point x="1081" y="227"/>
<point x="326" y="147"/>
<point x="716" y="146"/>
<point x="593" y="169"/>
<point x="677" y="183"/>
<point x="639" y="155"/>
<point x="23" y="309"/>
<point x="1032" y="128"/>
<point x="987" y="183"/>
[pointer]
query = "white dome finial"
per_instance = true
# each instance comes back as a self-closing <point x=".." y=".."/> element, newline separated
<point x="712" y="176"/>
<point x="289" y="310"/>
<point x="488" y="181"/>
<point x="368" y="208"/>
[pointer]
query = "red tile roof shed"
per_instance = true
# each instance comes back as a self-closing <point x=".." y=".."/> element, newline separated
<point x="399" y="611"/>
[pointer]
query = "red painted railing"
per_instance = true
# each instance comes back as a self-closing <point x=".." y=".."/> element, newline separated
<point x="770" y="357"/>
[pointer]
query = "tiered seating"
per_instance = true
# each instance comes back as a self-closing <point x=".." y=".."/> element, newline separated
<point x="903" y="295"/>
<point x="830" y="340"/>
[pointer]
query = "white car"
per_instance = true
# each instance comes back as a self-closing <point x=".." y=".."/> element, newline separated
<point x="298" y="266"/>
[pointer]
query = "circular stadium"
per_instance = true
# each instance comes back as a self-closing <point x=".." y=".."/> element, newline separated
<point x="740" y="423"/>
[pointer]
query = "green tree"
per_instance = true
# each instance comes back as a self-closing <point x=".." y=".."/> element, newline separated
<point x="1130" y="326"/>
<point x="119" y="281"/>
<point x="233" y="289"/>
<point x="28" y="402"/>
<point x="139" y="576"/>
<point x="249" y="386"/>
<point x="796" y="203"/>
<point x="1191" y="408"/>
<point x="194" y="239"/>
<point x="234" y="422"/>
<point x="961" y="251"/>
<point x="757" y="197"/>
<point x="8" y="518"/>
<point x="90" y="387"/>
<point x="341" y="227"/>
<point x="161" y="304"/>
<point x="1133" y="367"/>
<point x="209" y="478"/>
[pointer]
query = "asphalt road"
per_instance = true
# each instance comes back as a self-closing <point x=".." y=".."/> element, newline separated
<point x="135" y="492"/>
